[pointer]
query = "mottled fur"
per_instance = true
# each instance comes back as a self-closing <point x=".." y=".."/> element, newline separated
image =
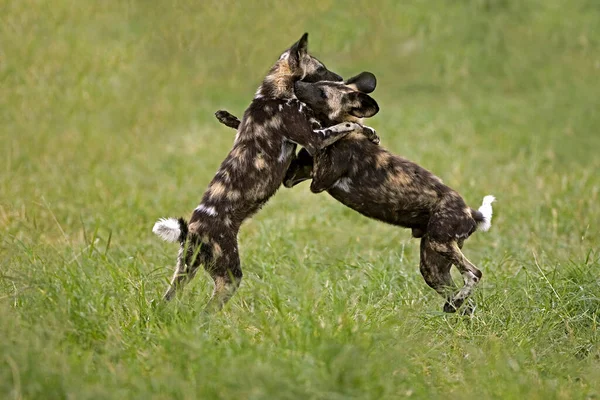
<point x="383" y="186"/>
<point x="251" y="173"/>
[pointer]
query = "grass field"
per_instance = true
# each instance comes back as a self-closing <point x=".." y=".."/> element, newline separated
<point x="106" y="124"/>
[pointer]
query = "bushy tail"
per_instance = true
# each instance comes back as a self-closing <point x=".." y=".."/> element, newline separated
<point x="483" y="216"/>
<point x="171" y="229"/>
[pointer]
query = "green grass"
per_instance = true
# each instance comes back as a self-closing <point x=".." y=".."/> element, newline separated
<point x="106" y="124"/>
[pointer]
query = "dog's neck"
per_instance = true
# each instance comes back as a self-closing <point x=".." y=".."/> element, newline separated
<point x="279" y="83"/>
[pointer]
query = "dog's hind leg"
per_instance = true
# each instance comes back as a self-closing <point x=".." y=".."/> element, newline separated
<point x="470" y="273"/>
<point x="226" y="273"/>
<point x="184" y="272"/>
<point x="435" y="269"/>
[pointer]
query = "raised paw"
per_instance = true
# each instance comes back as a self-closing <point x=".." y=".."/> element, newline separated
<point x="227" y="119"/>
<point x="315" y="124"/>
<point x="371" y="134"/>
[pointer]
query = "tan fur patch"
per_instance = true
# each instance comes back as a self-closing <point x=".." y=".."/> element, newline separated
<point x="217" y="189"/>
<point x="352" y="118"/>
<point x="233" y="194"/>
<point x="260" y="130"/>
<point x="399" y="178"/>
<point x="282" y="78"/>
<point x="355" y="136"/>
<point x="283" y="67"/>
<point x="381" y="159"/>
<point x="195" y="226"/>
<point x="259" y="162"/>
<point x="430" y="193"/>
<point x="237" y="152"/>
<point x="217" y="251"/>
<point x="225" y="175"/>
<point x="257" y="192"/>
<point x="219" y="285"/>
<point x="275" y="122"/>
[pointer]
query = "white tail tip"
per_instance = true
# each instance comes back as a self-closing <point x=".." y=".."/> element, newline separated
<point x="486" y="210"/>
<point x="167" y="229"/>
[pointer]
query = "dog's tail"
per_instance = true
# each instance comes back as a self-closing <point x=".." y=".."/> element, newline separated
<point x="171" y="229"/>
<point x="483" y="216"/>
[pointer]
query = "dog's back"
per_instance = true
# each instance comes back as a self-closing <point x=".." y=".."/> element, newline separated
<point x="381" y="185"/>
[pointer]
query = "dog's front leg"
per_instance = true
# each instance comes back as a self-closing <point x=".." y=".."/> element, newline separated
<point x="336" y="132"/>
<point x="230" y="120"/>
<point x="322" y="138"/>
<point x="314" y="141"/>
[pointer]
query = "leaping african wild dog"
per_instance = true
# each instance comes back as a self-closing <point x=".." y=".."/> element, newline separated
<point x="386" y="187"/>
<point x="251" y="173"/>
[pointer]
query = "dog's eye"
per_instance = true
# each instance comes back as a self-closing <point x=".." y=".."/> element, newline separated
<point x="322" y="93"/>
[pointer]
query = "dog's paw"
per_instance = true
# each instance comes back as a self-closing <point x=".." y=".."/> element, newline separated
<point x="449" y="308"/>
<point x="371" y="134"/>
<point x="417" y="233"/>
<point x="315" y="124"/>
<point x="228" y="119"/>
<point x="222" y="115"/>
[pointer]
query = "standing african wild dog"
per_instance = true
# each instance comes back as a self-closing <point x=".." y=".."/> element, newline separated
<point x="389" y="188"/>
<point x="251" y="173"/>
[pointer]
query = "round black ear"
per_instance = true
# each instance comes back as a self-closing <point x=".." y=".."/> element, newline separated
<point x="364" y="82"/>
<point x="364" y="106"/>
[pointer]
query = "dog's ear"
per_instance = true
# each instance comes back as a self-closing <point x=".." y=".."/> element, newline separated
<point x="363" y="105"/>
<point x="298" y="50"/>
<point x="364" y="82"/>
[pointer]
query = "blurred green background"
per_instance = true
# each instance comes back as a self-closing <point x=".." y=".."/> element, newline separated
<point x="106" y="124"/>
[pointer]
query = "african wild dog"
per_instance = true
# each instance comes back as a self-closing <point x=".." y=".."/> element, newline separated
<point x="251" y="173"/>
<point x="389" y="188"/>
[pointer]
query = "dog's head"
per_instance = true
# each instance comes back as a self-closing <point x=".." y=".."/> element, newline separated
<point x="336" y="102"/>
<point x="332" y="103"/>
<point x="304" y="66"/>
